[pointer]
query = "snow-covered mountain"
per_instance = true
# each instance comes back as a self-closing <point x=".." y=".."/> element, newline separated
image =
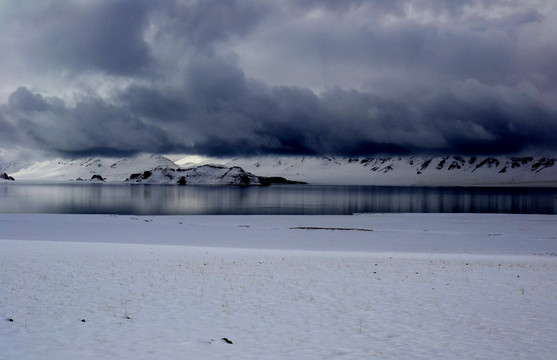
<point x="110" y="169"/>
<point x="147" y="169"/>
<point x="408" y="171"/>
<point x="381" y="170"/>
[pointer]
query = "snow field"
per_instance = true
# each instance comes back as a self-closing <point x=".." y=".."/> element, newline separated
<point x="144" y="301"/>
<point x="415" y="286"/>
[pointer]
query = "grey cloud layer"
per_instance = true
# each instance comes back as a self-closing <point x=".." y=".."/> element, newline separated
<point x="307" y="77"/>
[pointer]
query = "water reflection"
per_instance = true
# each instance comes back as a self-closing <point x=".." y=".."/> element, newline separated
<point x="287" y="199"/>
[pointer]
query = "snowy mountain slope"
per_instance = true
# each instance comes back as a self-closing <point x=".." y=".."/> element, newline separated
<point x="111" y="169"/>
<point x="408" y="171"/>
<point x="8" y="167"/>
<point x="147" y="169"/>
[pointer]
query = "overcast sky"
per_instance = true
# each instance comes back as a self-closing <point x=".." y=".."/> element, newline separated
<point x="227" y="78"/>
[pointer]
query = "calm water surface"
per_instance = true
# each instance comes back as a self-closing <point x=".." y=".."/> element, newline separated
<point x="76" y="198"/>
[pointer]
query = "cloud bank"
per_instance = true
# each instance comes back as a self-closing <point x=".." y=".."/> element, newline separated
<point x="278" y="77"/>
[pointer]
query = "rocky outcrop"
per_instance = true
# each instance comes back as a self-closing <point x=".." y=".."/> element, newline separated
<point x="4" y="176"/>
<point x="97" y="177"/>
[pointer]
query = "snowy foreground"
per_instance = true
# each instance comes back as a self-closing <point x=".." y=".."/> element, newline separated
<point x="417" y="286"/>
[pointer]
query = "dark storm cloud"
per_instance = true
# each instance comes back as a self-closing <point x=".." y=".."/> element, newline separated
<point x="91" y="126"/>
<point x="257" y="119"/>
<point x="203" y="23"/>
<point x="398" y="77"/>
<point x="102" y="36"/>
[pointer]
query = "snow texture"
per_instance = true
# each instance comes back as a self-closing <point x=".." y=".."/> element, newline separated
<point x="386" y="286"/>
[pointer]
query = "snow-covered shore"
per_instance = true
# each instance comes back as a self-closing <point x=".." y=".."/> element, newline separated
<point x="385" y="286"/>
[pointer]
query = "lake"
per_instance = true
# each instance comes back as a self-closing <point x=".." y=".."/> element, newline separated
<point x="137" y="199"/>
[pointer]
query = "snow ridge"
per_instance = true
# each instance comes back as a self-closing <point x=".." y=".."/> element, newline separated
<point x="408" y="171"/>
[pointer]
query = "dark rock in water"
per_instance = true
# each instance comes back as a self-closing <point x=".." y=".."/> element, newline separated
<point x="226" y="341"/>
<point x="6" y="177"/>
<point x="244" y="180"/>
<point x="97" y="177"/>
<point x="266" y="181"/>
<point x="181" y="180"/>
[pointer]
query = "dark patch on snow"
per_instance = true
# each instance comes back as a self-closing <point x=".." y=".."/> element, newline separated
<point x="425" y="165"/>
<point x="517" y="162"/>
<point x="386" y="169"/>
<point x="454" y="165"/>
<point x="441" y="164"/>
<point x="542" y="164"/>
<point x="490" y="162"/>
<point x="327" y="228"/>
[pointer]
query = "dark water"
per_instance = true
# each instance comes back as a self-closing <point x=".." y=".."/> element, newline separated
<point x="77" y="198"/>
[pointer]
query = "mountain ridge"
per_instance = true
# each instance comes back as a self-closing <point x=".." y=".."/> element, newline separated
<point x="410" y="170"/>
<point x="453" y="170"/>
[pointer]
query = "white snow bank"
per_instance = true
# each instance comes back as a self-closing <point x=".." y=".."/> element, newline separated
<point x="247" y="280"/>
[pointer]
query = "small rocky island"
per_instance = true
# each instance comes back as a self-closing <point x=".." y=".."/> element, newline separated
<point x="205" y="175"/>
